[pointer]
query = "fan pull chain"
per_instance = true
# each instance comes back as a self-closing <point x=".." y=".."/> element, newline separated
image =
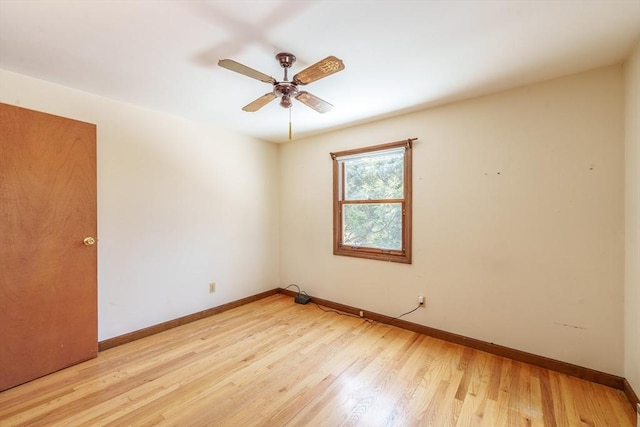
<point x="290" y="123"/>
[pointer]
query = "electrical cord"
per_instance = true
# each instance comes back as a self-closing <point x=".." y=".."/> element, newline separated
<point x="404" y="314"/>
<point x="343" y="314"/>
<point x="301" y="292"/>
<point x="297" y="287"/>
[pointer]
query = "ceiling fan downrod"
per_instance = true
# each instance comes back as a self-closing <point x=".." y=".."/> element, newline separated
<point x="286" y="60"/>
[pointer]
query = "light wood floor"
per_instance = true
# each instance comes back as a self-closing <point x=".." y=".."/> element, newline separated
<point x="275" y="363"/>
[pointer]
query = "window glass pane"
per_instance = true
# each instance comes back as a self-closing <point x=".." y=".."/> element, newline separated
<point x="374" y="177"/>
<point x="375" y="225"/>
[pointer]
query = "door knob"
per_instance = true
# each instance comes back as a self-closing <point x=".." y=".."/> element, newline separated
<point x="89" y="241"/>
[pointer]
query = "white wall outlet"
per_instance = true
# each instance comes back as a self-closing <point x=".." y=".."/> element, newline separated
<point x="361" y="313"/>
<point x="421" y="300"/>
<point x="212" y="287"/>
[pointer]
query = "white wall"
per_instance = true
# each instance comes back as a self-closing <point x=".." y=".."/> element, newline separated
<point x="179" y="205"/>
<point x="518" y="220"/>
<point x="632" y="221"/>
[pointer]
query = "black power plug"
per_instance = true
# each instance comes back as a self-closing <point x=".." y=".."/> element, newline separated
<point x="302" y="299"/>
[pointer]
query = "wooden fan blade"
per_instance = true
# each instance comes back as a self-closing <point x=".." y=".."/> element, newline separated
<point x="314" y="102"/>
<point x="260" y="102"/>
<point x="232" y="65"/>
<point x="324" y="68"/>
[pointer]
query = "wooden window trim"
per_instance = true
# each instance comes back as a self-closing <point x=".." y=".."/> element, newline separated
<point x="401" y="256"/>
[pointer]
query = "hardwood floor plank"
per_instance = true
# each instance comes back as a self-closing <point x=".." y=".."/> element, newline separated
<point x="496" y="374"/>
<point x="275" y="363"/>
<point x="546" y="399"/>
<point x="475" y="403"/>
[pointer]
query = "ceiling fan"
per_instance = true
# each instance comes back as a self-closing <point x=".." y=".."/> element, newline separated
<point x="286" y="89"/>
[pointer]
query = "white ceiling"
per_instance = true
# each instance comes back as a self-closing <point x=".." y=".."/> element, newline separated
<point x="400" y="55"/>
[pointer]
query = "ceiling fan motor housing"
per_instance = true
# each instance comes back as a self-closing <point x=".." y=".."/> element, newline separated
<point x="285" y="89"/>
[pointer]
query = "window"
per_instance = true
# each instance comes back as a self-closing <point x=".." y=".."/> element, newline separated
<point x="372" y="202"/>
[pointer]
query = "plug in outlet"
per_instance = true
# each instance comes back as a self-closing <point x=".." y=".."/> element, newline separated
<point x="212" y="287"/>
<point x="421" y="300"/>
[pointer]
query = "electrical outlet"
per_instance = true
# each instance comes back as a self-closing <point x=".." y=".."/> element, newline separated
<point x="212" y="287"/>
<point x="421" y="300"/>
<point x="361" y="313"/>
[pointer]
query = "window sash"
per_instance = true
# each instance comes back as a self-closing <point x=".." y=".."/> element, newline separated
<point x="394" y="240"/>
<point x="349" y="190"/>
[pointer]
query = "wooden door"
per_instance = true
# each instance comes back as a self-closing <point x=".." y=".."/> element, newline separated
<point x="48" y="275"/>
